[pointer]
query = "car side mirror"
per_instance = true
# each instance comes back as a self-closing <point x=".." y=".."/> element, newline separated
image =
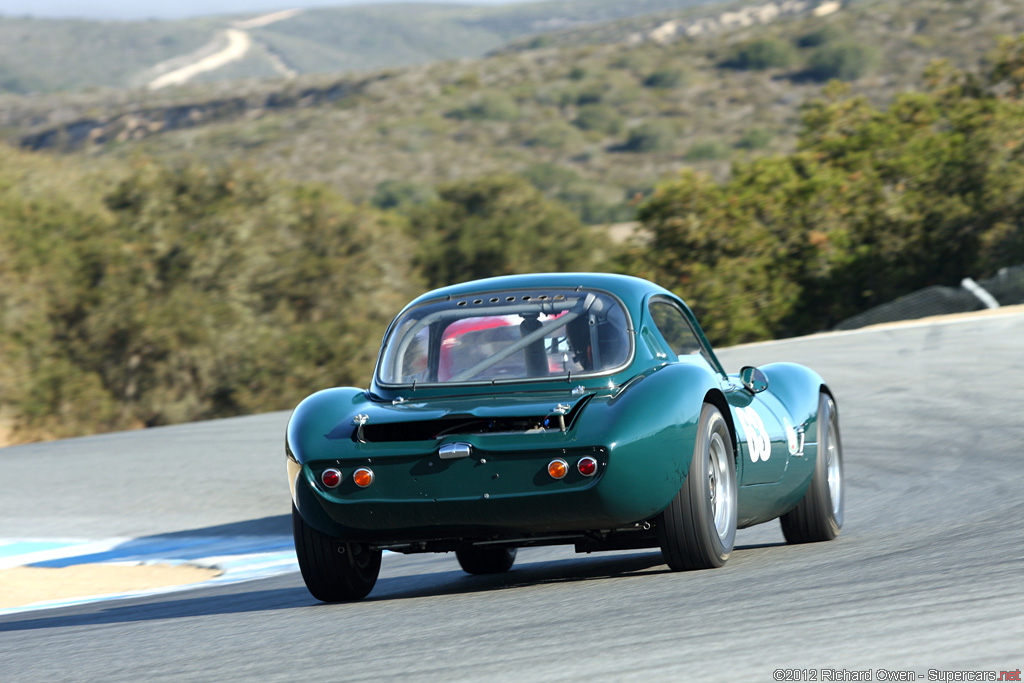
<point x="753" y="379"/>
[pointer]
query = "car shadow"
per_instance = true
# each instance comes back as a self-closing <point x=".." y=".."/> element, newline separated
<point x="277" y="525"/>
<point x="188" y="545"/>
<point x="571" y="570"/>
<point x="197" y="603"/>
<point x="410" y="585"/>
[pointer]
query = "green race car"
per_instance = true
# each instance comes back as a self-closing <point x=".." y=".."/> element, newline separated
<point x="568" y="408"/>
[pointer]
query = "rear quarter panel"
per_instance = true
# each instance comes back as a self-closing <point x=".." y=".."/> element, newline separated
<point x="649" y="429"/>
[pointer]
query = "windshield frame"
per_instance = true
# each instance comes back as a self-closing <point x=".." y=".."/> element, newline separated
<point x="560" y="301"/>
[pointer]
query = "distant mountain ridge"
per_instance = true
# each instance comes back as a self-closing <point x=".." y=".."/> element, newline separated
<point x="142" y="121"/>
<point x="594" y="115"/>
<point x="129" y="10"/>
<point x="48" y="55"/>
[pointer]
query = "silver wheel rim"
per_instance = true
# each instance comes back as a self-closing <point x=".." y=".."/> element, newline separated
<point x="720" y="489"/>
<point x="833" y="461"/>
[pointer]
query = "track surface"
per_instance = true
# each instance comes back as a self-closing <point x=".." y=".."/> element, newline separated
<point x="927" y="573"/>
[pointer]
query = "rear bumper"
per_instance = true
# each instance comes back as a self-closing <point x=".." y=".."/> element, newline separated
<point x="489" y="496"/>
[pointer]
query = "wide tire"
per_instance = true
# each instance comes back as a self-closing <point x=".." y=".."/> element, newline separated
<point x="486" y="560"/>
<point x="698" y="528"/>
<point x="819" y="514"/>
<point x="334" y="571"/>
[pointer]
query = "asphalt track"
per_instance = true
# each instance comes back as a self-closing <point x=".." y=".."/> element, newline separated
<point x="926" y="575"/>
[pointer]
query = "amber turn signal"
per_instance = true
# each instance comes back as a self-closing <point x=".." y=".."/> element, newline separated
<point x="557" y="468"/>
<point x="363" y="477"/>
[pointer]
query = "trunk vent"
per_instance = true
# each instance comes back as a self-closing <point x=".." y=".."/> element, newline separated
<point x="467" y="424"/>
<point x="427" y="430"/>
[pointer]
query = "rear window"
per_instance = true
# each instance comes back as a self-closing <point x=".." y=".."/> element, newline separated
<point x="496" y="336"/>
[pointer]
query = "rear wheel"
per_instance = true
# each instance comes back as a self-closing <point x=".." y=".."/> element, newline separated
<point x="698" y="528"/>
<point x="486" y="560"/>
<point x="334" y="571"/>
<point x="819" y="514"/>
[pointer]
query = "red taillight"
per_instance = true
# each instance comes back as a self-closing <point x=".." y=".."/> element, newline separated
<point x="557" y="468"/>
<point x="330" y="478"/>
<point x="587" y="466"/>
<point x="363" y="477"/>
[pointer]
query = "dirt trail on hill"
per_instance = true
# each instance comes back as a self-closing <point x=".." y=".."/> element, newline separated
<point x="239" y="44"/>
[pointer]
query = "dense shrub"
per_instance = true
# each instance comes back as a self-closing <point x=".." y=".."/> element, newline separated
<point x="550" y="178"/>
<point x="707" y="150"/>
<point x="651" y="136"/>
<point x="668" y="77"/>
<point x="600" y="118"/>
<point x="846" y="61"/>
<point x="591" y="93"/>
<point x="763" y="53"/>
<point x="826" y="34"/>
<point x="487" y="107"/>
<point x="755" y="138"/>
<point x="401" y="194"/>
<point x="594" y="205"/>
<point x="555" y="135"/>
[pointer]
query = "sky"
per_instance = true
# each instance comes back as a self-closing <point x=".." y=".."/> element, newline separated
<point x="178" y="9"/>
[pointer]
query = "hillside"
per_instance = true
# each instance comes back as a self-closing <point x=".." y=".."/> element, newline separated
<point x="44" y="55"/>
<point x="593" y="124"/>
<point x="221" y="249"/>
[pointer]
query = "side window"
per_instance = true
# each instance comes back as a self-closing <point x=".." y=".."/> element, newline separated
<point x="414" y="363"/>
<point x="674" y="328"/>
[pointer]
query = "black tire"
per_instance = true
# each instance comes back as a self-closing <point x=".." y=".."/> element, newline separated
<point x="698" y="528"/>
<point x="486" y="560"/>
<point x="819" y="514"/>
<point x="334" y="571"/>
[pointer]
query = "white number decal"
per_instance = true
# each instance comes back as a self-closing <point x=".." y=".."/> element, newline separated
<point x="758" y="442"/>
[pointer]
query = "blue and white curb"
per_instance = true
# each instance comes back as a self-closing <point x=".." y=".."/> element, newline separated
<point x="240" y="558"/>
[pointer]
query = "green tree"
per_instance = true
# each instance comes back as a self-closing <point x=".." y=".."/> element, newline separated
<point x="726" y="249"/>
<point x="234" y="294"/>
<point x="499" y="225"/>
<point x="873" y="204"/>
<point x="164" y="294"/>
